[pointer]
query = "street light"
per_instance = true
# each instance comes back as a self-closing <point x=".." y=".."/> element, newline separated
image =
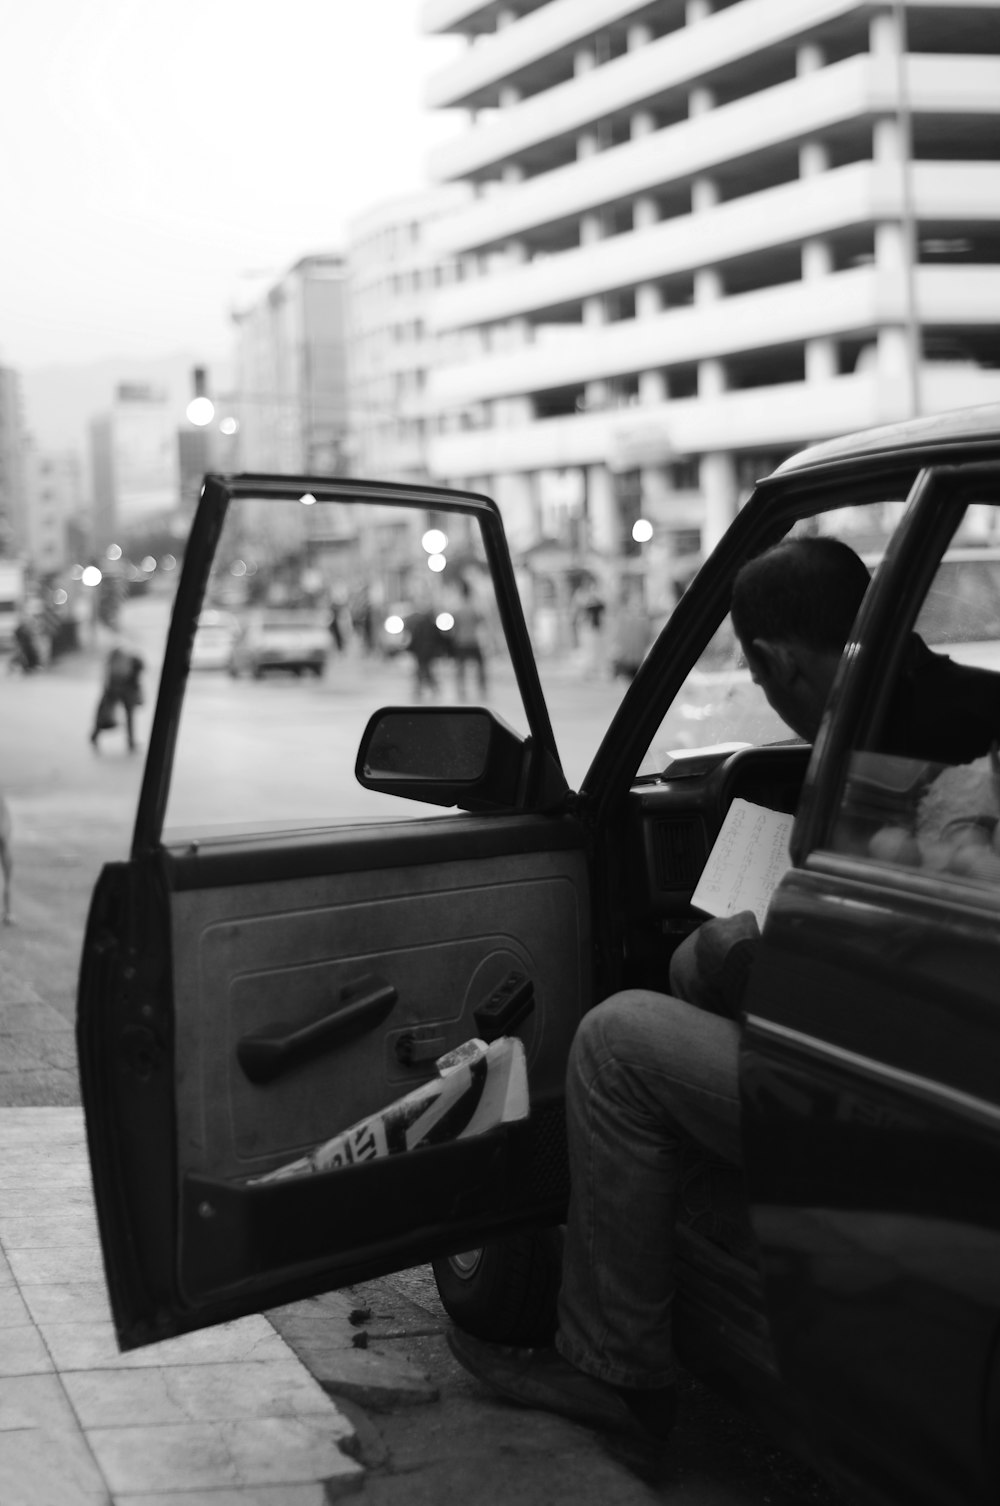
<point x="200" y="410"/>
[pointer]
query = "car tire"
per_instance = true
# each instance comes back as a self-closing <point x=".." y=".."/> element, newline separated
<point x="505" y="1292"/>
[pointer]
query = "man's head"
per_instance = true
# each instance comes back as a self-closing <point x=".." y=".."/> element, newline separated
<point x="793" y="608"/>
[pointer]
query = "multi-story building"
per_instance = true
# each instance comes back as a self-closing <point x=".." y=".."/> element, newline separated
<point x="704" y="234"/>
<point x="393" y="274"/>
<point x="133" y="454"/>
<point x="290" y="397"/>
<point x="13" y="515"/>
<point x="55" y="508"/>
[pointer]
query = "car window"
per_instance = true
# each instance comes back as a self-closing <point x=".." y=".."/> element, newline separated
<point x="927" y="796"/>
<point x="718" y="704"/>
<point x="332" y="611"/>
<point x="961" y="613"/>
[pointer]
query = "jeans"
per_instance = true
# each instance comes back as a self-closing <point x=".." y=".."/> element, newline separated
<point x="645" y="1071"/>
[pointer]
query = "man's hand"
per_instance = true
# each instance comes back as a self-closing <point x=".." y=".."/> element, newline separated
<point x="711" y="966"/>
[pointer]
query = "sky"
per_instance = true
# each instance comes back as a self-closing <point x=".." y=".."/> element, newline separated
<point x="158" y="156"/>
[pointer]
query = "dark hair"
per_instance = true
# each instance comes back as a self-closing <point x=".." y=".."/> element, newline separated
<point x="804" y="589"/>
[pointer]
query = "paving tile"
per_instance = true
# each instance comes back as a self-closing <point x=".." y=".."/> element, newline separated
<point x="43" y="1267"/>
<point x="6" y="1274"/>
<point x="93" y="1346"/>
<point x="13" y="1313"/>
<point x="28" y="1017"/>
<point x="67" y="1302"/>
<point x="248" y="1495"/>
<point x="49" y="1467"/>
<point x="30" y="1126"/>
<point x="72" y="1172"/>
<point x="31" y="1199"/>
<point x="199" y="1456"/>
<point x="34" y="1231"/>
<point x="26" y="1053"/>
<point x="196" y="1393"/>
<point x="35" y="1401"/>
<point x="23" y="1352"/>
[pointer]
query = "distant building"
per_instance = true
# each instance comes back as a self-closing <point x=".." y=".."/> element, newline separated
<point x="134" y="467"/>
<point x="290" y="392"/>
<point x="13" y="501"/>
<point x="393" y="274"/>
<point x="703" y="235"/>
<point x="54" y="487"/>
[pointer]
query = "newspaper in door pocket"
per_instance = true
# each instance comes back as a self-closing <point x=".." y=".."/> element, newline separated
<point x="478" y="1088"/>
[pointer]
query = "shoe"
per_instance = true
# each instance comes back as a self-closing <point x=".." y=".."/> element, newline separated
<point x="542" y="1378"/>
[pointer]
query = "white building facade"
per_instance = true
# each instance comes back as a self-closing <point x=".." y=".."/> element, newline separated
<point x="290" y="362"/>
<point x="394" y="272"/>
<point x="703" y="235"/>
<point x="13" y="443"/>
<point x="133" y="461"/>
<point x="55" y="520"/>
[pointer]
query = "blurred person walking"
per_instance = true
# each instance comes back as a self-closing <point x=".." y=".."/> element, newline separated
<point x="467" y="640"/>
<point x="632" y="635"/>
<point x="122" y="687"/>
<point x="26" y="653"/>
<point x="425" y="646"/>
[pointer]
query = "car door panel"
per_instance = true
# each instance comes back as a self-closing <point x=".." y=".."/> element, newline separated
<point x="259" y="957"/>
<point x="872" y="1183"/>
<point x="436" y="933"/>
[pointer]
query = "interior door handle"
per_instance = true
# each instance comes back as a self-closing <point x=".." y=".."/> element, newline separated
<point x="273" y="1049"/>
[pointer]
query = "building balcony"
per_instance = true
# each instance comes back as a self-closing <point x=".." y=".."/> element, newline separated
<point x="469" y="16"/>
<point x="529" y="51"/>
<point x="855" y="303"/>
<point x="840" y="200"/>
<point x="647" y="75"/>
<point x="773" y="121"/>
<point x="791" y="415"/>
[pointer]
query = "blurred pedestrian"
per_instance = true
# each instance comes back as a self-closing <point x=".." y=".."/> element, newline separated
<point x="467" y="640"/>
<point x="26" y="655"/>
<point x="424" y="642"/>
<point x="632" y="634"/>
<point x="335" y="630"/>
<point x="362" y="619"/>
<point x="588" y="619"/>
<point x="122" y="687"/>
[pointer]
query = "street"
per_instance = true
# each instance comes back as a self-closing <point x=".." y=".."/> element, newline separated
<point x="433" y="1435"/>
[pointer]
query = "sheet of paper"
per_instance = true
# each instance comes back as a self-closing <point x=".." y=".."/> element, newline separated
<point x="748" y="859"/>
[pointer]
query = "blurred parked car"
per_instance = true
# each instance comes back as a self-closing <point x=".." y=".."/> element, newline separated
<point x="213" y="640"/>
<point x="281" y="639"/>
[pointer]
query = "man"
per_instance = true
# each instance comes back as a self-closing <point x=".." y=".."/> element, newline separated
<point x="646" y="1071"/>
<point x="792" y="609"/>
<point x="122" y="687"/>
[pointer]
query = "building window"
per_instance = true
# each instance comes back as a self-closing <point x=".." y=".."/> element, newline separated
<point x="682" y="476"/>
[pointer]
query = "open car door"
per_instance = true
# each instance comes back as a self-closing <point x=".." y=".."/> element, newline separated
<point x="288" y="952"/>
<point x="871" y="1111"/>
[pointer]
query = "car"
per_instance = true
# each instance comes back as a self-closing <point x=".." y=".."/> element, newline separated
<point x="281" y="638"/>
<point x="277" y="973"/>
<point x="214" y="638"/>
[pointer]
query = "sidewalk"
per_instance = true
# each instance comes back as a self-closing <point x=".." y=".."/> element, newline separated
<point x="226" y="1417"/>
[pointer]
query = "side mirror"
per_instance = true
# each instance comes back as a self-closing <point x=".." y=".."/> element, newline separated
<point x="464" y="756"/>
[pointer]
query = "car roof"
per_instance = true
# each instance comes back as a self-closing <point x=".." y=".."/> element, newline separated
<point x="956" y="427"/>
